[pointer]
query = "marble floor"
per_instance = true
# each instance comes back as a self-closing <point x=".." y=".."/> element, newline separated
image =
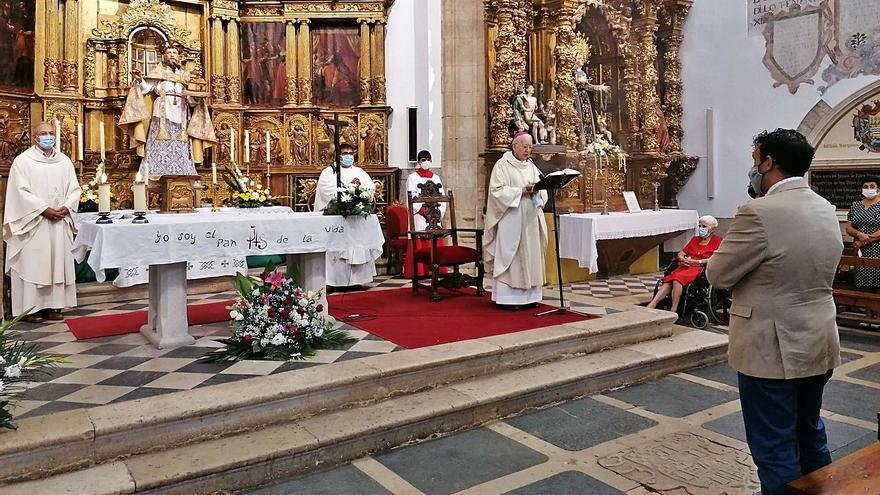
<point x="113" y="369"/>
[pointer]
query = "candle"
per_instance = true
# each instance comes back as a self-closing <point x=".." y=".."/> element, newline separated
<point x="103" y="195"/>
<point x="101" y="139"/>
<point x="57" y="136"/>
<point x="146" y="172"/>
<point x="214" y="173"/>
<point x="247" y="146"/>
<point x="268" y="147"/>
<point x="231" y="145"/>
<point x="79" y="143"/>
<point x="140" y="194"/>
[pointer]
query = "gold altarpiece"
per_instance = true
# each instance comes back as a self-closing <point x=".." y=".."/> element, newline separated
<point x="84" y="53"/>
<point x="632" y="46"/>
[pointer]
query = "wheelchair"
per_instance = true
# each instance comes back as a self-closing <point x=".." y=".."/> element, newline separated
<point x="700" y="303"/>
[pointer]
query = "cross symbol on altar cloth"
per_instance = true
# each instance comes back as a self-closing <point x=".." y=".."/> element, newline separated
<point x="337" y="124"/>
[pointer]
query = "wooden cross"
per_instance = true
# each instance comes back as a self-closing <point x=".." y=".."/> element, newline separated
<point x="337" y="124"/>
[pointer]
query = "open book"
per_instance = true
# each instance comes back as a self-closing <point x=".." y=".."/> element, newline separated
<point x="556" y="180"/>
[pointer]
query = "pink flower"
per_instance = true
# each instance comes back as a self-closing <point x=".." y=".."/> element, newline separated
<point x="356" y="181"/>
<point x="275" y="280"/>
<point x="298" y="293"/>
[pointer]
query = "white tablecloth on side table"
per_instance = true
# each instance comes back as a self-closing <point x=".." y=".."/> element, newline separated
<point x="579" y="232"/>
<point x="170" y="242"/>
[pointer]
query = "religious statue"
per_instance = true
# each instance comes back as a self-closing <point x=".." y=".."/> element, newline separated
<point x="518" y="102"/>
<point x="222" y="143"/>
<point x="112" y="72"/>
<point x="550" y="121"/>
<point x="585" y="104"/>
<point x="374" y="144"/>
<point x="662" y="133"/>
<point x="173" y="139"/>
<point x="530" y="109"/>
<point x="299" y="139"/>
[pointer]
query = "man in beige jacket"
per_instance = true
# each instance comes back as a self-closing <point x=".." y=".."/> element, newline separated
<point x="779" y="257"/>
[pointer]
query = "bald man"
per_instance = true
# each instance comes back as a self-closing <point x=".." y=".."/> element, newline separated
<point x="515" y="237"/>
<point x="41" y="198"/>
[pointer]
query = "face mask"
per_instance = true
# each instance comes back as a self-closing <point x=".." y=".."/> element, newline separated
<point x="755" y="178"/>
<point x="46" y="142"/>
<point x="347" y="160"/>
<point x="869" y="193"/>
<point x="425" y="165"/>
<point x="703" y="232"/>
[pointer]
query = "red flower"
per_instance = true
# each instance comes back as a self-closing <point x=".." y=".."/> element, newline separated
<point x="356" y="181"/>
<point x="319" y="308"/>
<point x="285" y="313"/>
<point x="270" y="312"/>
<point x="300" y="311"/>
<point x="247" y="338"/>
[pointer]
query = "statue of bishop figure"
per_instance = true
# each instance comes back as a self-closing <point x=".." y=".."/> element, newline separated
<point x="157" y="117"/>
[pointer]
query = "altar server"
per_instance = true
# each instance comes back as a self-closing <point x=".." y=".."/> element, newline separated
<point x="354" y="266"/>
<point x="515" y="236"/>
<point x="417" y="184"/>
<point x="41" y="199"/>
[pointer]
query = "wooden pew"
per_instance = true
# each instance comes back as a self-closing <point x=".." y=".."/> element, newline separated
<point x="846" y="293"/>
<point x="855" y="474"/>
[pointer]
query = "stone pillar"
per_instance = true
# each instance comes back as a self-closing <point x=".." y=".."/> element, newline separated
<point x="513" y="18"/>
<point x="645" y="52"/>
<point x="52" y="67"/>
<point x="290" y="89"/>
<point x="377" y="63"/>
<point x="70" y="64"/>
<point x="218" y="71"/>
<point x="564" y="20"/>
<point x="233" y="63"/>
<point x="304" y="63"/>
<point x="364" y="67"/>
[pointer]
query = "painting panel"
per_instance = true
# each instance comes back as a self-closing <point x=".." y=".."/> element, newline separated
<point x="17" y="44"/>
<point x="336" y="55"/>
<point x="263" y="67"/>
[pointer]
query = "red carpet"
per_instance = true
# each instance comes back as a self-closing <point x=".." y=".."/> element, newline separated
<point x="412" y="321"/>
<point x="90" y="327"/>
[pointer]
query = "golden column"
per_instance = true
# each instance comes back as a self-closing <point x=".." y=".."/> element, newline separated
<point x="365" y="61"/>
<point x="543" y="43"/>
<point x="644" y="31"/>
<point x="509" y="70"/>
<point x="233" y="63"/>
<point x="377" y="63"/>
<point x="567" y="118"/>
<point x="304" y="63"/>
<point x="672" y="18"/>
<point x="70" y="65"/>
<point x="218" y="80"/>
<point x="290" y="90"/>
<point x="51" y="65"/>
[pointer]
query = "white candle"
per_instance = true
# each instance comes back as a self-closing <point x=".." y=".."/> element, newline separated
<point x="268" y="147"/>
<point x="140" y="194"/>
<point x="146" y="172"/>
<point x="231" y="145"/>
<point x="79" y="142"/>
<point x="101" y="139"/>
<point x="57" y="136"/>
<point x="103" y="195"/>
<point x="247" y="146"/>
<point x="213" y="173"/>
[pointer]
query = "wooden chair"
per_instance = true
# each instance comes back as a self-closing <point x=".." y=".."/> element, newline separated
<point x="442" y="256"/>
<point x="396" y="238"/>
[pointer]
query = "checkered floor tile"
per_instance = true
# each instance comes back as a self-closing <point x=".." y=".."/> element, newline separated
<point x="125" y="367"/>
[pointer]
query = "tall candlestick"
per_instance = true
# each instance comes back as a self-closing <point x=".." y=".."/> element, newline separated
<point x="140" y="194"/>
<point x="214" y="173"/>
<point x="232" y="145"/>
<point x="57" y="136"/>
<point x="247" y="146"/>
<point x="101" y="140"/>
<point x="79" y="144"/>
<point x="268" y="147"/>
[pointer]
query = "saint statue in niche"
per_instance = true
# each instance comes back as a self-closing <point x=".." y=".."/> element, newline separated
<point x="299" y="140"/>
<point x="374" y="144"/>
<point x="588" y="103"/>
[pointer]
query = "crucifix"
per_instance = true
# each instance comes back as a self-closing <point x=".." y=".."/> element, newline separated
<point x="337" y="124"/>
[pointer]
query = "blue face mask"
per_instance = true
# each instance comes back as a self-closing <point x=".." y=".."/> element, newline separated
<point x="46" y="142"/>
<point x="703" y="232"/>
<point x="347" y="160"/>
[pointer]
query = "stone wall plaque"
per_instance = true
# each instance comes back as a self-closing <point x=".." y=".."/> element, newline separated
<point x="841" y="187"/>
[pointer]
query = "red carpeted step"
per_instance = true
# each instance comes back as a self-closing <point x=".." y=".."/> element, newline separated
<point x="412" y="320"/>
<point x="90" y="327"/>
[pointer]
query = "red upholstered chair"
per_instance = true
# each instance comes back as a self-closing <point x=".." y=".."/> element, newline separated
<point x="436" y="256"/>
<point x="396" y="235"/>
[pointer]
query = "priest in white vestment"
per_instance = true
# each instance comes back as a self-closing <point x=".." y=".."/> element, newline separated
<point x="417" y="184"/>
<point x="41" y="200"/>
<point x="515" y="238"/>
<point x="354" y="266"/>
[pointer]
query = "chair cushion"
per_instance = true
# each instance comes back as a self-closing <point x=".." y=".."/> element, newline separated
<point x="396" y="221"/>
<point x="448" y="255"/>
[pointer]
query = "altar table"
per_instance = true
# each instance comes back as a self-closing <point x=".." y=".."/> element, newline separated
<point x="169" y="243"/>
<point x="580" y="235"/>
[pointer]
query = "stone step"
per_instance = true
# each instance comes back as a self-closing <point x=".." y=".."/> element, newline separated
<point x="73" y="439"/>
<point x="252" y="458"/>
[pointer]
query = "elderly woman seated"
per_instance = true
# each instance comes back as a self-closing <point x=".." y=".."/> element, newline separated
<point x="691" y="261"/>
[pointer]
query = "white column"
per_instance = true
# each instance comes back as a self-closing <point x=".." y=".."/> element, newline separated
<point x="167" y="325"/>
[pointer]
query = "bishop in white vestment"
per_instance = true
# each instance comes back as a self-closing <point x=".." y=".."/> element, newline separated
<point x="515" y="238"/>
<point x="41" y="200"/>
<point x="354" y="266"/>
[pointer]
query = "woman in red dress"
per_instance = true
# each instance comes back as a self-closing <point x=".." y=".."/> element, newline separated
<point x="691" y="261"/>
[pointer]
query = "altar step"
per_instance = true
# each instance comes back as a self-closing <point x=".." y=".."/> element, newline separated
<point x="245" y="433"/>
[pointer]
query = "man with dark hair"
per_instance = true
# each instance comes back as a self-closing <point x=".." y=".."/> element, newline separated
<point x="779" y="257"/>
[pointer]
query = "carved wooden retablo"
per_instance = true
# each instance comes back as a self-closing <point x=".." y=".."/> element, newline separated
<point x="178" y="194"/>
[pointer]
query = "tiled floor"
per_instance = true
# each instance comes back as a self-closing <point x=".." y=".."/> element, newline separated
<point x="638" y="440"/>
<point x="114" y="369"/>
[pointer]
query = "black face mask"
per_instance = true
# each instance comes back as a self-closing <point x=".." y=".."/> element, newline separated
<point x="752" y="193"/>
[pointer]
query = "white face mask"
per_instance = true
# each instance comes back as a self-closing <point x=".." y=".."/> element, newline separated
<point x="425" y="165"/>
<point x="869" y="193"/>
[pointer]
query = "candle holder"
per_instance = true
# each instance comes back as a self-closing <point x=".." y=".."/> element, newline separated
<point x="605" y="191"/>
<point x="103" y="217"/>
<point x="215" y="189"/>
<point x="140" y="217"/>
<point x="656" y="202"/>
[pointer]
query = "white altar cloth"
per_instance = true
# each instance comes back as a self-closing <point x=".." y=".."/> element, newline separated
<point x="170" y="242"/>
<point x="579" y="232"/>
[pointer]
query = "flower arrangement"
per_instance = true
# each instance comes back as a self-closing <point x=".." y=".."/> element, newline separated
<point x="245" y="192"/>
<point x="19" y="362"/>
<point x="356" y="199"/>
<point x="602" y="148"/>
<point x="275" y="319"/>
<point x="88" y="197"/>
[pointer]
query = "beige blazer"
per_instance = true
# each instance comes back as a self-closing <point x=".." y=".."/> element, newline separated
<point x="779" y="257"/>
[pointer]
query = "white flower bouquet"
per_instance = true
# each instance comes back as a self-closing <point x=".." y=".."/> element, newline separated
<point x="355" y="199"/>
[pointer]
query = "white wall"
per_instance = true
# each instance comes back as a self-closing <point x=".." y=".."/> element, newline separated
<point x="722" y="69"/>
<point x="412" y="70"/>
